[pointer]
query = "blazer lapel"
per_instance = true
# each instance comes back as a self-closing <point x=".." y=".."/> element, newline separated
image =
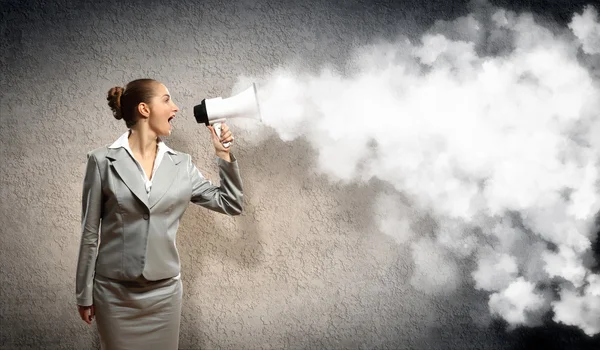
<point x="164" y="177"/>
<point x="126" y="168"/>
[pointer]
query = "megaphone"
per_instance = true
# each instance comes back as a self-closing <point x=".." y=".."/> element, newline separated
<point x="214" y="111"/>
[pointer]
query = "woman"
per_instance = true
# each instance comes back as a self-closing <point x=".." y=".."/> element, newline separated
<point x="134" y="193"/>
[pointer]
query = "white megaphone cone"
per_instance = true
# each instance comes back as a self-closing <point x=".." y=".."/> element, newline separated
<point x="214" y="111"/>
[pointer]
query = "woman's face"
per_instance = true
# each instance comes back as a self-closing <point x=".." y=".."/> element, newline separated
<point x="162" y="111"/>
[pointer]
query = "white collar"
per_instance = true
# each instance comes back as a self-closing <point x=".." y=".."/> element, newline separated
<point x="123" y="141"/>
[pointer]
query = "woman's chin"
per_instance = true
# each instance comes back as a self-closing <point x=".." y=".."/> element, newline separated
<point x="164" y="131"/>
<point x="167" y="132"/>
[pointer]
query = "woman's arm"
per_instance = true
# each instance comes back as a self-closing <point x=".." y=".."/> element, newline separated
<point x="91" y="212"/>
<point x="227" y="198"/>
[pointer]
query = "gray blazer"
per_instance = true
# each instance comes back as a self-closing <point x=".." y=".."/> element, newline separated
<point x="126" y="233"/>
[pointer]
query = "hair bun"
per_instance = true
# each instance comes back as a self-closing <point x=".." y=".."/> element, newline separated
<point x="114" y="101"/>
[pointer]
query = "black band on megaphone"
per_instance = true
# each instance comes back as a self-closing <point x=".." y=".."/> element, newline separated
<point x="200" y="113"/>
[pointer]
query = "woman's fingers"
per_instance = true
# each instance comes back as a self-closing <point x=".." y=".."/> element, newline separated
<point x="226" y="136"/>
<point x="86" y="313"/>
<point x="86" y="316"/>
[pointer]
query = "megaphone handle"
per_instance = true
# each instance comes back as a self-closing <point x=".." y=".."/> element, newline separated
<point x="217" y="127"/>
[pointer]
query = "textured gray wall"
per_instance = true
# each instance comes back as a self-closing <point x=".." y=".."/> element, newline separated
<point x="302" y="268"/>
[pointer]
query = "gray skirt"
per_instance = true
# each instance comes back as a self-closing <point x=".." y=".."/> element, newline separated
<point x="138" y="314"/>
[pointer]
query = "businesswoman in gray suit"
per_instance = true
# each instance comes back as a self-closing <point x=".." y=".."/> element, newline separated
<point x="134" y="193"/>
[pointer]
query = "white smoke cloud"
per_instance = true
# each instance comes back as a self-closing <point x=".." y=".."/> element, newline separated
<point x="519" y="303"/>
<point x="495" y="271"/>
<point x="436" y="272"/>
<point x="489" y="124"/>
<point x="580" y="308"/>
<point x="587" y="29"/>
<point x="395" y="218"/>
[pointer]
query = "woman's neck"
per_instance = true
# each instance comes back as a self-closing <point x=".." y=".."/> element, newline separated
<point x="143" y="142"/>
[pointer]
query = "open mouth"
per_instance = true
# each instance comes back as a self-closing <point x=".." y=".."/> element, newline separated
<point x="171" y="118"/>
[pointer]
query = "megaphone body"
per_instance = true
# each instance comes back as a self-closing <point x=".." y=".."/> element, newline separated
<point x="214" y="111"/>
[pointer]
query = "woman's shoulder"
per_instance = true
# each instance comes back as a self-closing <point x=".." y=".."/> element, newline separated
<point x="179" y="156"/>
<point x="175" y="153"/>
<point x="99" y="152"/>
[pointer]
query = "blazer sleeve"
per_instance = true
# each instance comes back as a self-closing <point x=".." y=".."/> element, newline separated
<point x="228" y="197"/>
<point x="91" y="213"/>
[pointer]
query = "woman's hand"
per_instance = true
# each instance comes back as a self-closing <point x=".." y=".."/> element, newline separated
<point x="226" y="136"/>
<point x="87" y="313"/>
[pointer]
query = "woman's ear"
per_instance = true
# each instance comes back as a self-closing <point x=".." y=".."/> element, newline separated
<point x="144" y="110"/>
